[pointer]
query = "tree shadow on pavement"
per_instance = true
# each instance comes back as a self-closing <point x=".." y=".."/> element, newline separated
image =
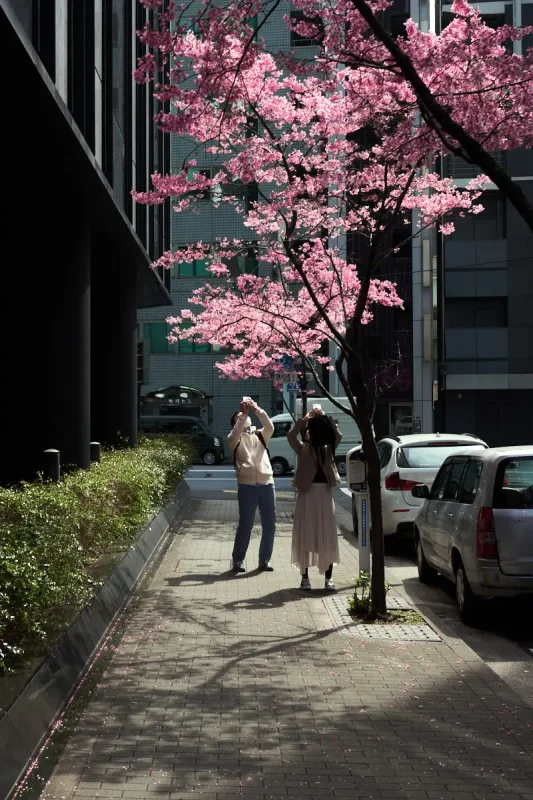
<point x="265" y="715"/>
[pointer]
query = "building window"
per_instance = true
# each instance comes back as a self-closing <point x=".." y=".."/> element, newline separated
<point x="81" y="66"/>
<point x="252" y="23"/>
<point x="372" y="347"/>
<point x="403" y="319"/>
<point x="248" y="192"/>
<point x="299" y="40"/>
<point x="155" y="333"/>
<point x="207" y="173"/>
<point x="191" y="269"/>
<point x="493" y="21"/>
<point x="476" y="312"/>
<point x="395" y="17"/>
<point x="43" y="33"/>
<point x="490" y="224"/>
<point x="185" y="346"/>
<point x="244" y="263"/>
<point x="252" y="126"/>
<point x="402" y="240"/>
<point x="459" y="168"/>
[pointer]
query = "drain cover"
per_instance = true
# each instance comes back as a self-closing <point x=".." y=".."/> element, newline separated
<point x="337" y="609"/>
<point x="397" y="633"/>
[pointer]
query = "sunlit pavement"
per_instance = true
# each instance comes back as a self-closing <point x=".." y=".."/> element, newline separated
<point x="223" y="686"/>
<point x="504" y="637"/>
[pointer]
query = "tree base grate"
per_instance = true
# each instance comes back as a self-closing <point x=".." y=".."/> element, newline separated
<point x="399" y="632"/>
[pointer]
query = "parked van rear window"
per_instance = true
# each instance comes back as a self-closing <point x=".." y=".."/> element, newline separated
<point x="430" y="456"/>
<point x="514" y="484"/>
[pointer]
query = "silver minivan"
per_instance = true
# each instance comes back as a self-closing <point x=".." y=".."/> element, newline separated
<point x="476" y="526"/>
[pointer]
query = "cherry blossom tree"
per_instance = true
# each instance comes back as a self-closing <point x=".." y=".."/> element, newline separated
<point x="294" y="131"/>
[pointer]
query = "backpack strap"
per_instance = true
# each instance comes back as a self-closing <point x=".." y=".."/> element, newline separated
<point x="261" y="439"/>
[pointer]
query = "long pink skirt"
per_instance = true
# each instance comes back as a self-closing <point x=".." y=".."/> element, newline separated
<point x="315" y="540"/>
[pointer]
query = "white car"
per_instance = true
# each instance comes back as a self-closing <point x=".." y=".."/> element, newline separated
<point x="476" y="526"/>
<point x="407" y="461"/>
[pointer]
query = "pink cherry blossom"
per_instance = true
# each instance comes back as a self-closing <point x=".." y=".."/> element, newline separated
<point x="318" y="176"/>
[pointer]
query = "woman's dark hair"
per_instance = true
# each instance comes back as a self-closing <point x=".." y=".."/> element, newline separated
<point x="233" y="418"/>
<point x="321" y="434"/>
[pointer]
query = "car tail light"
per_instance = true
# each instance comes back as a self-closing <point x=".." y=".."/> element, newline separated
<point x="394" y="483"/>
<point x="486" y="543"/>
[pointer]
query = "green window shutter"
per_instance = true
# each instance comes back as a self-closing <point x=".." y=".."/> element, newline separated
<point x="251" y="266"/>
<point x="156" y="333"/>
<point x="202" y="348"/>
<point x="184" y="345"/>
<point x="252" y="194"/>
<point x="252" y="22"/>
<point x="186" y="269"/>
<point x="201" y="265"/>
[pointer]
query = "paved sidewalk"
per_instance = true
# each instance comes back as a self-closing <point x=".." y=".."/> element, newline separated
<point x="227" y="687"/>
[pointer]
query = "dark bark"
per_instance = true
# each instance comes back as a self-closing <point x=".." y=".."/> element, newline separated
<point x="303" y="387"/>
<point x="357" y="386"/>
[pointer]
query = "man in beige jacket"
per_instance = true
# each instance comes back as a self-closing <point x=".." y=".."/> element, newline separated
<point x="255" y="484"/>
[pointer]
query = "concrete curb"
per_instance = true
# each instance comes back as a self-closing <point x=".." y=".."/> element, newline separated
<point x="29" y="719"/>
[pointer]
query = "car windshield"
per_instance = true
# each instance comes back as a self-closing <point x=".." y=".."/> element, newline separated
<point x="429" y="456"/>
<point x="281" y="429"/>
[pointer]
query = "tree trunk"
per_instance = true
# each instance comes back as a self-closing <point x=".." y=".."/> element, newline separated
<point x="379" y="602"/>
<point x="303" y="389"/>
<point x="360" y="393"/>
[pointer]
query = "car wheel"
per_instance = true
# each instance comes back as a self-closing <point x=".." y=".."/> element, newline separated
<point x="341" y="467"/>
<point x="279" y="466"/>
<point x="209" y="458"/>
<point x="467" y="602"/>
<point x="426" y="574"/>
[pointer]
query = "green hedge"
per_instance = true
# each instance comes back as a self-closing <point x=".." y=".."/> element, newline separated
<point x="52" y="534"/>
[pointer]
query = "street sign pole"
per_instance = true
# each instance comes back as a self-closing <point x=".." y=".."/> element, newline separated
<point x="356" y="479"/>
<point x="361" y="499"/>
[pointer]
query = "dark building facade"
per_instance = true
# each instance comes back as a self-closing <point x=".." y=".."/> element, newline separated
<point x="487" y="320"/>
<point x="76" y="249"/>
<point x="486" y="324"/>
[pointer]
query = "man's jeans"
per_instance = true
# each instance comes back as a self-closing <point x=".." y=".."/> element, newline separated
<point x="250" y="497"/>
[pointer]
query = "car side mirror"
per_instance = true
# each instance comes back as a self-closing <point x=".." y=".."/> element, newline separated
<point x="421" y="491"/>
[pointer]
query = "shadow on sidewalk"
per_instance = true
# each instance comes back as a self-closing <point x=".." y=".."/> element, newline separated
<point x="280" y="598"/>
<point x="207" y="578"/>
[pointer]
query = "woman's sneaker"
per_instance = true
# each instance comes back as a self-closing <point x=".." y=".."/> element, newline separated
<point x="329" y="585"/>
<point x="305" y="584"/>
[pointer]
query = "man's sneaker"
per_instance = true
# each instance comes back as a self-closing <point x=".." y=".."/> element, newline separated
<point x="266" y="566"/>
<point x="305" y="584"/>
<point x="329" y="585"/>
<point x="238" y="566"/>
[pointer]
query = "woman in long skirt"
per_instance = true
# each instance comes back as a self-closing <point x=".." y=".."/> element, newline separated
<point x="314" y="535"/>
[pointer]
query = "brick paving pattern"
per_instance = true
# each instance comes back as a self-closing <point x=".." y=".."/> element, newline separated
<point x="228" y="687"/>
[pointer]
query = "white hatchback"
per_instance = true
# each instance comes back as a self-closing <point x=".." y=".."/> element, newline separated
<point x="476" y="526"/>
<point x="407" y="461"/>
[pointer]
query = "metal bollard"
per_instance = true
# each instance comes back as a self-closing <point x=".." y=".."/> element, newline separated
<point x="52" y="465"/>
<point x="96" y="451"/>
